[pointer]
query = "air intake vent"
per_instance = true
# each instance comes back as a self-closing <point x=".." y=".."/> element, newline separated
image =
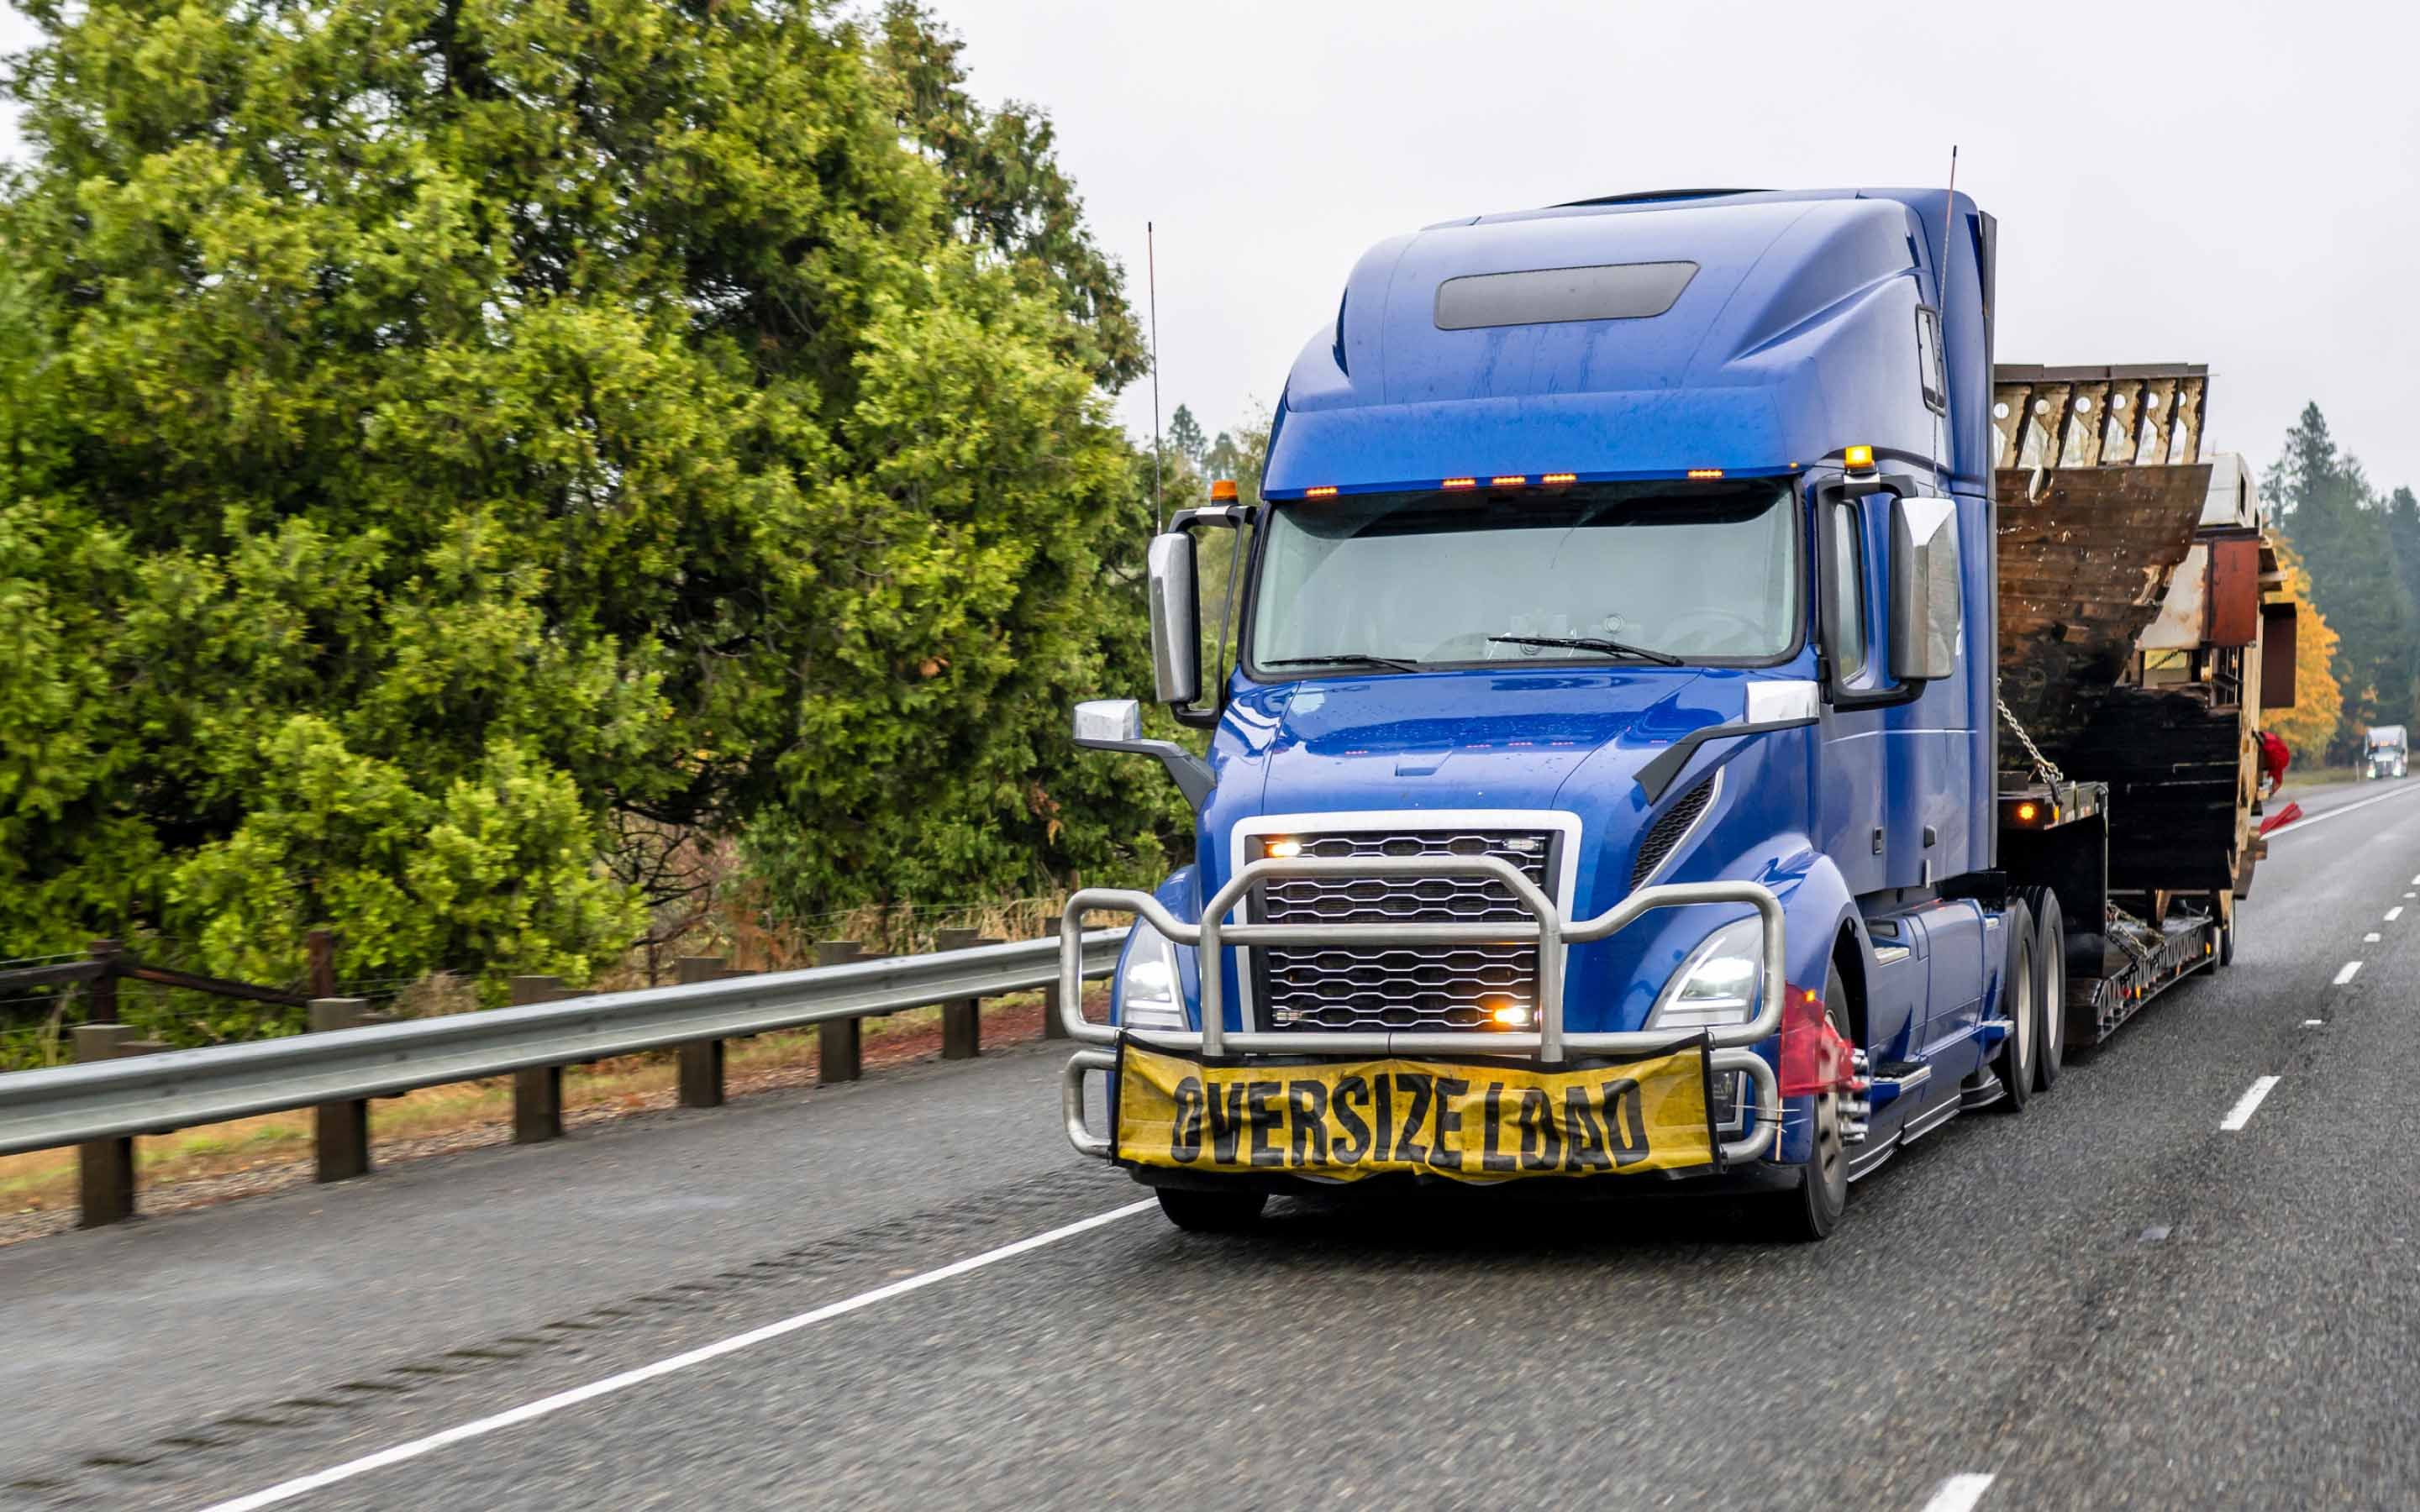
<point x="1667" y="832"/>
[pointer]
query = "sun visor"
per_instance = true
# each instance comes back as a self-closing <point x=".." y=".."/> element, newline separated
<point x="1643" y="434"/>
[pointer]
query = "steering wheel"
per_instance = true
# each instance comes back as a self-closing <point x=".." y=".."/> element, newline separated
<point x="1680" y="636"/>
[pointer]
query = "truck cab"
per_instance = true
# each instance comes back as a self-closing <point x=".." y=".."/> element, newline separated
<point x="2385" y="751"/>
<point x="1604" y="751"/>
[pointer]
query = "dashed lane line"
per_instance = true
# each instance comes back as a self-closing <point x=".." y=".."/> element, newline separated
<point x="2395" y="912"/>
<point x="1960" y="1493"/>
<point x="287" y="1491"/>
<point x="2249" y="1103"/>
<point x="2372" y="937"/>
<point x="2351" y="969"/>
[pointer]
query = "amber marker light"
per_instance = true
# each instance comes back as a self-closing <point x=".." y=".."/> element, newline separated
<point x="1326" y="490"/>
<point x="1705" y="472"/>
<point x="1509" y="1015"/>
<point x="1285" y="850"/>
<point x="1461" y="483"/>
<point x="1510" y="479"/>
<point x="2025" y="812"/>
<point x="1556" y="480"/>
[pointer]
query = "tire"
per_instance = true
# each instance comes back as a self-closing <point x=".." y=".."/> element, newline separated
<point x="1211" y="1212"/>
<point x="2014" y="1063"/>
<point x="1809" y="1212"/>
<point x="2050" y="986"/>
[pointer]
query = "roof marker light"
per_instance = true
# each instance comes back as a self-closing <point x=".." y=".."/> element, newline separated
<point x="1460" y="483"/>
<point x="1557" y="479"/>
<point x="1705" y="472"/>
<point x="1859" y="458"/>
<point x="1326" y="490"/>
<point x="1507" y="480"/>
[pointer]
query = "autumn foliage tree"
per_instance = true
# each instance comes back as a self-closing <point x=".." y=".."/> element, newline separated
<point x="443" y="438"/>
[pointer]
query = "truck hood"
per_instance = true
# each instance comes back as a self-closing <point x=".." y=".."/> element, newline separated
<point x="1474" y="740"/>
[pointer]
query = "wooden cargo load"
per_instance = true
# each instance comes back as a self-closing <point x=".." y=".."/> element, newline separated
<point x="2137" y="593"/>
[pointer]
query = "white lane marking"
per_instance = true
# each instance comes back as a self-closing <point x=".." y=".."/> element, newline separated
<point x="1960" y="1493"/>
<point x="2416" y="882"/>
<point x="287" y="1491"/>
<point x="2370" y="938"/>
<point x="2308" y="819"/>
<point x="2351" y="967"/>
<point x="2315" y="1023"/>
<point x="2411" y="895"/>
<point x="2240" y="1115"/>
<point x="2395" y="912"/>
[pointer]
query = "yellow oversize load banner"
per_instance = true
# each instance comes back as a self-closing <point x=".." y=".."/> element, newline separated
<point x="1356" y="1119"/>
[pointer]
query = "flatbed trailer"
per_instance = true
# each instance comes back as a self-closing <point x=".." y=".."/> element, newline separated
<point x="2141" y="625"/>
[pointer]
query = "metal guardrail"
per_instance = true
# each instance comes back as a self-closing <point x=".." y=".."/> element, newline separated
<point x="176" y="1089"/>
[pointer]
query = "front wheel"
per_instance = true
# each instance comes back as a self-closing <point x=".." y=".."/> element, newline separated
<point x="1811" y="1210"/>
<point x="2050" y="986"/>
<point x="1211" y="1212"/>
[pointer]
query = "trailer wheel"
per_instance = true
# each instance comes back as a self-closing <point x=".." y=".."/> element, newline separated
<point x="1811" y="1210"/>
<point x="2050" y="985"/>
<point x="2019" y="997"/>
<point x="1211" y="1212"/>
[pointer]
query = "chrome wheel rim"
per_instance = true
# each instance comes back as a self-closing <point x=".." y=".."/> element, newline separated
<point x="2054" y="1005"/>
<point x="2023" y="1065"/>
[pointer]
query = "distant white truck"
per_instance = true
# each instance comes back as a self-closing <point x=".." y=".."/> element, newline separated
<point x="2386" y="751"/>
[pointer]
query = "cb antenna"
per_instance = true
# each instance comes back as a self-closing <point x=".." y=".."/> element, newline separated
<point x="1151" y="265"/>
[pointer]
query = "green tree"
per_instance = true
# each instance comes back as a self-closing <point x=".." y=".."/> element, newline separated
<point x="2347" y="541"/>
<point x="1185" y="437"/>
<point x="441" y="432"/>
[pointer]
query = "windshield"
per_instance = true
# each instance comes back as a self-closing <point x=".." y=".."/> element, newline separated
<point x="1700" y="571"/>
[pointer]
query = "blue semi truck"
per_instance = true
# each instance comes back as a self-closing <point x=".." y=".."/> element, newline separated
<point x="1676" y="712"/>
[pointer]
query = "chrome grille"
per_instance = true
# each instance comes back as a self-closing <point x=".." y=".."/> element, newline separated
<point x="1369" y="989"/>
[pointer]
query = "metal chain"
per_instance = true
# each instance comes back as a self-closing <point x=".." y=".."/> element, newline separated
<point x="2043" y="766"/>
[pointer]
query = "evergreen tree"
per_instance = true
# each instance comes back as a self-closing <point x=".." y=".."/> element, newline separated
<point x="2346" y="539"/>
<point x="1185" y="440"/>
<point x="441" y="436"/>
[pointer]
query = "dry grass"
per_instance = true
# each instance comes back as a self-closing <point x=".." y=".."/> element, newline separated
<point x="463" y="1114"/>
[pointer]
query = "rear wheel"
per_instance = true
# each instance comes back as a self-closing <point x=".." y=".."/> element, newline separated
<point x="2020" y="997"/>
<point x="1812" y="1209"/>
<point x="2050" y="986"/>
<point x="1211" y="1212"/>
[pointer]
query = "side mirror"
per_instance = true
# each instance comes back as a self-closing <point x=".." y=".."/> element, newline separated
<point x="1105" y="724"/>
<point x="1116" y="724"/>
<point x="1926" y="605"/>
<point x="1175" y="636"/>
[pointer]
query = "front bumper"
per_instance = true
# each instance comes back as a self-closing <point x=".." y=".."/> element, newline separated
<point x="1725" y="1051"/>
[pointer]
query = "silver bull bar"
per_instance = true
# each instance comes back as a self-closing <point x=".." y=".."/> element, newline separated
<point x="1728" y="1045"/>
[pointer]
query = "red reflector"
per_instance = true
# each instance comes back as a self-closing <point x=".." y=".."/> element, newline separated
<point x="1814" y="1057"/>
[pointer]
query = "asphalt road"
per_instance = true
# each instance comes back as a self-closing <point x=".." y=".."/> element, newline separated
<point x="909" y="1292"/>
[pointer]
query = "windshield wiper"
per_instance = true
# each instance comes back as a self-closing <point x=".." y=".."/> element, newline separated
<point x="1590" y="642"/>
<point x="1346" y="659"/>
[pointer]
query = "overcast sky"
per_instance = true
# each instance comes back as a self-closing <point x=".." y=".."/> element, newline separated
<point x="2236" y="184"/>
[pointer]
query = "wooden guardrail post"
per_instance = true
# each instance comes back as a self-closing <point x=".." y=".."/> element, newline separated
<point x="537" y="1091"/>
<point x="701" y="1064"/>
<point x="105" y="1167"/>
<point x="321" y="946"/>
<point x="961" y="1017"/>
<point x="1051" y="1027"/>
<point x="340" y="1131"/>
<point x="840" y="1053"/>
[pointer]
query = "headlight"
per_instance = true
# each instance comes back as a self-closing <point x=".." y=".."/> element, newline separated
<point x="1147" y="989"/>
<point x="1718" y="983"/>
